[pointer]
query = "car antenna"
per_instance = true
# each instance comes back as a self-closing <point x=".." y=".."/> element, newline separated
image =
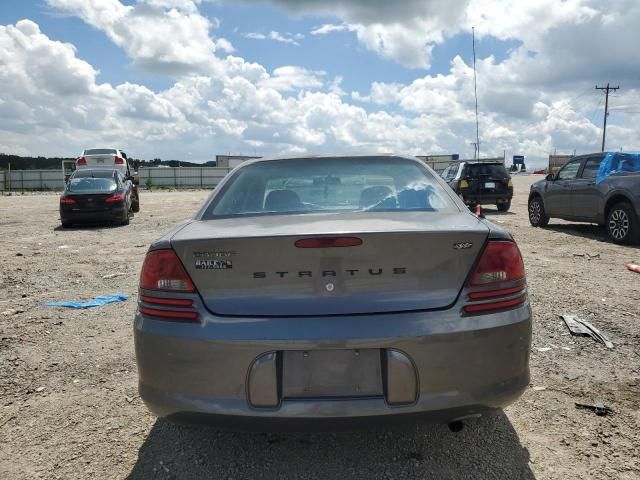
<point x="475" y="90"/>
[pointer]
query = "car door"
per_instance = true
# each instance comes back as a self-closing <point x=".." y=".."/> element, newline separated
<point x="585" y="194"/>
<point x="557" y="198"/>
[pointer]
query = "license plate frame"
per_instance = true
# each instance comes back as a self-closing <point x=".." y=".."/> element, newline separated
<point x="489" y="184"/>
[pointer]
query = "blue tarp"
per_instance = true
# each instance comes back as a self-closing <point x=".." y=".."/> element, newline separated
<point x="618" y="162"/>
<point x="96" y="302"/>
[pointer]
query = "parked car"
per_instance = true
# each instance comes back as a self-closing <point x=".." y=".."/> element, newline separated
<point x="96" y="195"/>
<point x="596" y="188"/>
<point x="110" y="158"/>
<point x="481" y="183"/>
<point x="332" y="289"/>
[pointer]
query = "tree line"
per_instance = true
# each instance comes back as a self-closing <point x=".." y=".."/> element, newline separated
<point x="43" y="163"/>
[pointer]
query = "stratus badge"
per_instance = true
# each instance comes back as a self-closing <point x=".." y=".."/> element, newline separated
<point x="462" y="245"/>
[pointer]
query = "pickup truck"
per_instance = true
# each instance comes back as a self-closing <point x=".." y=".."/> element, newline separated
<point x="602" y="188"/>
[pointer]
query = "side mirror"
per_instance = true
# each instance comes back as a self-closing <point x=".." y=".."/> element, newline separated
<point x="550" y="177"/>
<point x="135" y="180"/>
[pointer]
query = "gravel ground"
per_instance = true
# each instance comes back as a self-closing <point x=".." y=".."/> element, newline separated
<point x="68" y="389"/>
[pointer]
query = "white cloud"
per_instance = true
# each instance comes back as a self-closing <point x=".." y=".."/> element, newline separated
<point x="329" y="28"/>
<point x="288" y="78"/>
<point x="276" y="36"/>
<point x="530" y="103"/>
<point x="167" y="36"/>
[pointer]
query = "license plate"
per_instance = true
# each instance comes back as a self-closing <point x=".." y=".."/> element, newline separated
<point x="490" y="185"/>
<point x="99" y="160"/>
<point x="331" y="373"/>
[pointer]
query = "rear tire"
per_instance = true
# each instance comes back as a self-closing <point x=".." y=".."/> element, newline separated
<point x="66" y="224"/>
<point x="135" y="206"/>
<point x="126" y="219"/>
<point x="622" y="224"/>
<point x="504" y="207"/>
<point x="537" y="215"/>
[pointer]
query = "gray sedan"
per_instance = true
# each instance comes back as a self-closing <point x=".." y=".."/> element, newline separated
<point x="332" y="289"/>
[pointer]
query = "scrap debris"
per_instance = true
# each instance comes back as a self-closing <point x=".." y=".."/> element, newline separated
<point x="581" y="327"/>
<point x="95" y="302"/>
<point x="598" y="407"/>
<point x="633" y="267"/>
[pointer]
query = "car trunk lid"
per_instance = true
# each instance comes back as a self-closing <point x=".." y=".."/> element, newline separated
<point x="407" y="261"/>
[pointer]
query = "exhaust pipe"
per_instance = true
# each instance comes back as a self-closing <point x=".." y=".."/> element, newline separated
<point x="456" y="426"/>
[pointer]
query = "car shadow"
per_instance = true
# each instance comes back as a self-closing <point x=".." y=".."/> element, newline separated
<point x="87" y="226"/>
<point x="90" y="226"/>
<point x="485" y="448"/>
<point x="495" y="211"/>
<point x="584" y="230"/>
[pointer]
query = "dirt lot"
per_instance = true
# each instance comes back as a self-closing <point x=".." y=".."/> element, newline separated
<point x="68" y="389"/>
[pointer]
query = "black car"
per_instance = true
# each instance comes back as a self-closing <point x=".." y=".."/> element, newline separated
<point x="96" y="196"/>
<point x="481" y="183"/>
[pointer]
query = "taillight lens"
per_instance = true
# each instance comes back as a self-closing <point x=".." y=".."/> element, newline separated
<point x="115" y="198"/>
<point x="501" y="280"/>
<point x="67" y="201"/>
<point x="163" y="270"/>
<point x="119" y="160"/>
<point x="500" y="262"/>
<point x="81" y="161"/>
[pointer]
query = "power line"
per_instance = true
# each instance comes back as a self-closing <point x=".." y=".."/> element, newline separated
<point x="607" y="89"/>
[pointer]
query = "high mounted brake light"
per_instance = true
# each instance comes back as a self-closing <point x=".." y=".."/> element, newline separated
<point x="500" y="266"/>
<point x="163" y="270"/>
<point x="328" y="242"/>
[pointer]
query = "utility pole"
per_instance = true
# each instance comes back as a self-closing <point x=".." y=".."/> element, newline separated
<point x="607" y="89"/>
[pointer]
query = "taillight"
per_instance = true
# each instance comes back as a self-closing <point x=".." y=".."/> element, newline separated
<point x="163" y="270"/>
<point x="119" y="160"/>
<point x="328" y="242"/>
<point x="115" y="198"/>
<point x="500" y="262"/>
<point x="67" y="201"/>
<point x="502" y="268"/>
<point x="81" y="161"/>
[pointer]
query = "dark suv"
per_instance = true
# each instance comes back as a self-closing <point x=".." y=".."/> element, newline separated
<point x="481" y="183"/>
<point x="602" y="188"/>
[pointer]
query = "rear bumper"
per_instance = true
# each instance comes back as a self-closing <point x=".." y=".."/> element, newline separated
<point x="464" y="366"/>
<point x="471" y="198"/>
<point x="116" y="214"/>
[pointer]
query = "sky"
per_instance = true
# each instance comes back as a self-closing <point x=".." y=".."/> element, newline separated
<point x="189" y="79"/>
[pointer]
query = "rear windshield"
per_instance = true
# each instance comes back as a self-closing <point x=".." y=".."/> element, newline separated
<point x="92" y="181"/>
<point x="329" y="185"/>
<point x="100" y="151"/>
<point x="485" y="169"/>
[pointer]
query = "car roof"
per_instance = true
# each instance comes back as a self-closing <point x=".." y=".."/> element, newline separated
<point x="330" y="155"/>
<point x="480" y="162"/>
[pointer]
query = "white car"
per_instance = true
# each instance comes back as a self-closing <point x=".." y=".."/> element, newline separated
<point x="112" y="158"/>
<point x="104" y="157"/>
